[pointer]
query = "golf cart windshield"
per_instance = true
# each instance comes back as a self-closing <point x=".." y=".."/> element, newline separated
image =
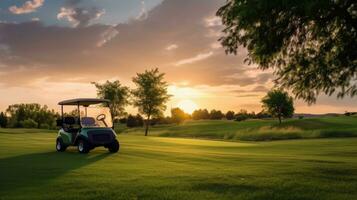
<point x="95" y="116"/>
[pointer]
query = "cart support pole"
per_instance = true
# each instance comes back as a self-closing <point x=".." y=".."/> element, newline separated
<point x="79" y="114"/>
<point x="62" y="115"/>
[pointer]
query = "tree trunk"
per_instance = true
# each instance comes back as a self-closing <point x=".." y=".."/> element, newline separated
<point x="147" y="124"/>
<point x="279" y="119"/>
<point x="279" y="115"/>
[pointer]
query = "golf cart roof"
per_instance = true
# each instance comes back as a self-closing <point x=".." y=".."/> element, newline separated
<point x="83" y="101"/>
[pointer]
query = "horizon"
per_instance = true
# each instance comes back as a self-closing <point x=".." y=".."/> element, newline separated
<point x="64" y="52"/>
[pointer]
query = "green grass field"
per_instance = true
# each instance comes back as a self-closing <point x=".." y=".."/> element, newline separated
<point x="174" y="168"/>
<point x="256" y="130"/>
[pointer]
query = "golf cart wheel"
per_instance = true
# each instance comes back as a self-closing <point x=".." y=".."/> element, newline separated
<point x="114" y="146"/>
<point x="83" y="146"/>
<point x="60" y="146"/>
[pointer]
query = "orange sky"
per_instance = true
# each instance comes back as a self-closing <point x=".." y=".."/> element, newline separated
<point x="46" y="62"/>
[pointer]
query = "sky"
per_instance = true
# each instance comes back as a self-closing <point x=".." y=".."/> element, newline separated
<point x="52" y="50"/>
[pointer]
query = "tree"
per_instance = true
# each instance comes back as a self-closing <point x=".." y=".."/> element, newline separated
<point x="230" y="115"/>
<point x="310" y="44"/>
<point x="116" y="93"/>
<point x="279" y="104"/>
<point x="200" y="114"/>
<point x="150" y="94"/>
<point x="3" y="120"/>
<point x="216" y="114"/>
<point x="134" y="121"/>
<point x="178" y="115"/>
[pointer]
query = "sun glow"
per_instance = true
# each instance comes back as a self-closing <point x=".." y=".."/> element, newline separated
<point x="187" y="106"/>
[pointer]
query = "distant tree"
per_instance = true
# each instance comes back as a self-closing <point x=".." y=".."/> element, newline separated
<point x="310" y="44"/>
<point x="279" y="104"/>
<point x="44" y="118"/>
<point x="3" y="120"/>
<point x="200" y="114"/>
<point x="122" y="120"/>
<point x="134" y="121"/>
<point x="230" y="115"/>
<point x="263" y="115"/>
<point x="116" y="93"/>
<point x="150" y="94"/>
<point x="178" y="115"/>
<point x="139" y="120"/>
<point x="242" y="115"/>
<point x="216" y="114"/>
<point x="165" y="120"/>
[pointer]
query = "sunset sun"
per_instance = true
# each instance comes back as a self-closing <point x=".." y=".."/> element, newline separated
<point x="187" y="105"/>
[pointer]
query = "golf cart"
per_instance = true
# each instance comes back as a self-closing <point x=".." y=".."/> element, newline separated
<point x="87" y="127"/>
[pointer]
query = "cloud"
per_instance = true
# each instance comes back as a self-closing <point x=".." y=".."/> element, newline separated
<point x="79" y="17"/>
<point x="171" y="47"/>
<point x="196" y="58"/>
<point x="27" y="7"/>
<point x="213" y="21"/>
<point x="107" y="35"/>
<point x="143" y="12"/>
<point x="61" y="53"/>
<point x="257" y="89"/>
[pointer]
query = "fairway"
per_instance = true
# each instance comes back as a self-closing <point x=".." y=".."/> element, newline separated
<point x="171" y="168"/>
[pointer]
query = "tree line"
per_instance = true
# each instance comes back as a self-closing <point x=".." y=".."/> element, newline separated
<point x="28" y="116"/>
<point x="276" y="103"/>
<point x="149" y="96"/>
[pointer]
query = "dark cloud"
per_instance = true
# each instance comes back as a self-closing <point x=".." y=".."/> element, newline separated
<point x="96" y="52"/>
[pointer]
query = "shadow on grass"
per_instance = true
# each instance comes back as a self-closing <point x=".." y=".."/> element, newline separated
<point x="39" y="168"/>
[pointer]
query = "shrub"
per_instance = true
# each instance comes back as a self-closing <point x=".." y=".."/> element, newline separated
<point x="240" y="117"/>
<point x="45" y="126"/>
<point x="29" y="123"/>
<point x="337" y="133"/>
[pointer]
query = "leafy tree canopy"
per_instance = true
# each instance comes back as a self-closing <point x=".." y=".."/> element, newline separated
<point x="116" y="93"/>
<point x="230" y="115"/>
<point x="279" y="104"/>
<point x="311" y="44"/>
<point x="150" y="94"/>
<point x="178" y="115"/>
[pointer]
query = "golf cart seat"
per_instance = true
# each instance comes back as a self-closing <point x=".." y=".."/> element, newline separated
<point x="69" y="120"/>
<point x="68" y="125"/>
<point x="88" y="121"/>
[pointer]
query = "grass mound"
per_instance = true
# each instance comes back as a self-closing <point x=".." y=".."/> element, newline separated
<point x="257" y="130"/>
